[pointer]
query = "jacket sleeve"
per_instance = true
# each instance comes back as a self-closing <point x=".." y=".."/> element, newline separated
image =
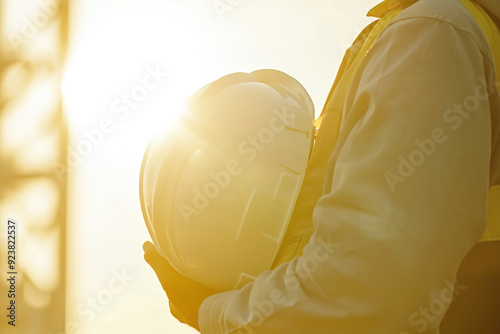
<point x="405" y="197"/>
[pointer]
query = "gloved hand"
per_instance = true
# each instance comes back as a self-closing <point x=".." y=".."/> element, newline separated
<point x="185" y="296"/>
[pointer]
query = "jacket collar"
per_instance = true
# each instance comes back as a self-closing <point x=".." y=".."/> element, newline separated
<point x="493" y="6"/>
<point x="388" y="6"/>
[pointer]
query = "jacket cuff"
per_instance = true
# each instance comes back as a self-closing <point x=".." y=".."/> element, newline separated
<point x="211" y="312"/>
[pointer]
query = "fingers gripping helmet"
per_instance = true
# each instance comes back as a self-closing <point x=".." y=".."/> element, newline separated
<point x="218" y="191"/>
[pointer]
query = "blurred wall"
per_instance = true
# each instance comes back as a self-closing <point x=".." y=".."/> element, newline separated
<point x="32" y="138"/>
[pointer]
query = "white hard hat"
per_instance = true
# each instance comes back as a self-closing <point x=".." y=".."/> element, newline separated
<point x="218" y="191"/>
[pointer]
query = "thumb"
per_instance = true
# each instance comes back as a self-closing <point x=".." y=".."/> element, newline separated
<point x="173" y="282"/>
<point x="164" y="271"/>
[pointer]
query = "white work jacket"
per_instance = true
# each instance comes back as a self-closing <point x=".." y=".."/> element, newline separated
<point x="405" y="192"/>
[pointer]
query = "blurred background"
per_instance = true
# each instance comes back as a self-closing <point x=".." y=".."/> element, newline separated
<point x="83" y="86"/>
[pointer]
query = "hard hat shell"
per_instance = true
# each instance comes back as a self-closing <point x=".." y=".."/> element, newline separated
<point x="217" y="192"/>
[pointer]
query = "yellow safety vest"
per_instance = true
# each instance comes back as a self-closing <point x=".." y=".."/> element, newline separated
<point x="492" y="33"/>
<point x="300" y="227"/>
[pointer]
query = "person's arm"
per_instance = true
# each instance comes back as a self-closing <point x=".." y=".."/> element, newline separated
<point x="404" y="201"/>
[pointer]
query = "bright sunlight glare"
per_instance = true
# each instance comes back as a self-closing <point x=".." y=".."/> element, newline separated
<point x="125" y="45"/>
